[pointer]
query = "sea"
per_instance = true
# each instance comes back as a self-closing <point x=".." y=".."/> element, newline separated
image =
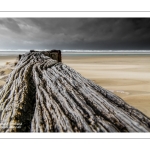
<point x="81" y="52"/>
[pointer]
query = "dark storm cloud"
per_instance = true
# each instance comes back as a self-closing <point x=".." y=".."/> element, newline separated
<point x="74" y="33"/>
<point x="11" y="24"/>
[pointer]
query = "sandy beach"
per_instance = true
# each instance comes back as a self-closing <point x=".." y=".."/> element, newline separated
<point x="6" y="66"/>
<point x="128" y="76"/>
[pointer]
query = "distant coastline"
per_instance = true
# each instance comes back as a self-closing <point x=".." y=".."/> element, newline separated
<point x="81" y="52"/>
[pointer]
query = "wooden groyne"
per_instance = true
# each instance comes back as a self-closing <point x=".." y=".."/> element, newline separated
<point x="44" y="95"/>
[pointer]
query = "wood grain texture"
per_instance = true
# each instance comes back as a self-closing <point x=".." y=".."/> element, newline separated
<point x="43" y="95"/>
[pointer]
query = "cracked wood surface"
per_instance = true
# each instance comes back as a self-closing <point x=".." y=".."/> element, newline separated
<point x="43" y="95"/>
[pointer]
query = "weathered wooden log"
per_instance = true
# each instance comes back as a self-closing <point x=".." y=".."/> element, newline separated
<point x="44" y="95"/>
<point x="54" y="54"/>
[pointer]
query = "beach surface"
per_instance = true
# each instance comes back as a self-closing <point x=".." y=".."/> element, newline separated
<point x="128" y="76"/>
<point x="6" y="66"/>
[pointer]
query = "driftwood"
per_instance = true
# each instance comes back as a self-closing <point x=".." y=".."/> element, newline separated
<point x="44" y="95"/>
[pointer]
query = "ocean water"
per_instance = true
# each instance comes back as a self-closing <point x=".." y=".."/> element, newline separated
<point x="12" y="53"/>
<point x="81" y="52"/>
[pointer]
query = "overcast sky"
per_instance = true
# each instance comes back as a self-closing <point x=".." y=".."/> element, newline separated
<point x="74" y="33"/>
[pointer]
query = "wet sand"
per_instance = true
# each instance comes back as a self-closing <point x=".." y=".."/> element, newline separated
<point x="128" y="76"/>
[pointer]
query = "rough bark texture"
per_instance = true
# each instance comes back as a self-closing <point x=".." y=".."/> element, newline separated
<point x="43" y="95"/>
